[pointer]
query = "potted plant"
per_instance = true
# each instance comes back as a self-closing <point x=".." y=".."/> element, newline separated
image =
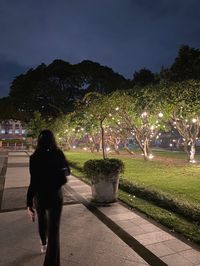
<point x="104" y="175"/>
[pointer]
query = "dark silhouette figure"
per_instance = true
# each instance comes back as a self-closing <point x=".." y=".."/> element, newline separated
<point x="47" y="170"/>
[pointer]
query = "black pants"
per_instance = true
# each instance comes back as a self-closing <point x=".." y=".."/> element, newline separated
<point x="49" y="214"/>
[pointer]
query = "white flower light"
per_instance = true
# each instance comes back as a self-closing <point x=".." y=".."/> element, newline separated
<point x="117" y="108"/>
<point x="107" y="149"/>
<point x="160" y="114"/>
<point x="74" y="147"/>
<point x="144" y="114"/>
<point x="194" y="120"/>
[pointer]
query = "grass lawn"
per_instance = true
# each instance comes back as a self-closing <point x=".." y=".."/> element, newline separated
<point x="178" y="180"/>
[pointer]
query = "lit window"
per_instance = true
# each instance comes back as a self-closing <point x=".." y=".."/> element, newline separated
<point x="16" y="131"/>
<point x="23" y="131"/>
<point x="3" y="131"/>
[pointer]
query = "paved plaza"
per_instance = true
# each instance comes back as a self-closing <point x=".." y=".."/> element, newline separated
<point x="91" y="235"/>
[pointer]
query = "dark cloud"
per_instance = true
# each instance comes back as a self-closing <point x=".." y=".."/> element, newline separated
<point x="123" y="34"/>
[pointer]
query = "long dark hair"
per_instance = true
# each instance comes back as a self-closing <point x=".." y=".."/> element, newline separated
<point x="46" y="141"/>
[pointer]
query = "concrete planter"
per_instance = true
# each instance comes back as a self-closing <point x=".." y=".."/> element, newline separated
<point x="104" y="175"/>
<point x="105" y="188"/>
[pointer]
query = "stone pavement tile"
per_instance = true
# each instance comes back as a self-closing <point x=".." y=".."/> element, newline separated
<point x="17" y="177"/>
<point x="130" y="228"/>
<point x="176" y="245"/>
<point x="13" y="153"/>
<point x="176" y="260"/>
<point x="191" y="255"/>
<point x="116" y="209"/>
<point x="14" y="198"/>
<point x="80" y="189"/>
<point x="21" y="257"/>
<point x="154" y="237"/>
<point x="139" y="221"/>
<point x="148" y="228"/>
<point x="19" y="160"/>
<point x="123" y="216"/>
<point x="160" y="249"/>
<point x="92" y="240"/>
<point x="133" y="263"/>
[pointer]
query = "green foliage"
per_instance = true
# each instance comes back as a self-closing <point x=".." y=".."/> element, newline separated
<point x="186" y="65"/>
<point x="36" y="125"/>
<point x="144" y="77"/>
<point x="164" y="200"/>
<point x="105" y="168"/>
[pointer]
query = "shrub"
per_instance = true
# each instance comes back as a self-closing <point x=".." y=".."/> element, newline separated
<point x="105" y="168"/>
<point x="189" y="211"/>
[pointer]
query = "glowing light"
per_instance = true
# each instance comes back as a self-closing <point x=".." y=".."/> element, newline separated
<point x="117" y="108"/>
<point x="170" y="145"/>
<point x="151" y="156"/>
<point x="66" y="130"/>
<point x="73" y="129"/>
<point x="194" y="120"/>
<point x="85" y="149"/>
<point x="152" y="127"/>
<point x="160" y="114"/>
<point x="192" y="161"/>
<point x="74" y="147"/>
<point x="110" y="114"/>
<point x="107" y="149"/>
<point x="144" y="114"/>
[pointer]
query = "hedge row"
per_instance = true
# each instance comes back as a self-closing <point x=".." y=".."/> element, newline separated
<point x="164" y="200"/>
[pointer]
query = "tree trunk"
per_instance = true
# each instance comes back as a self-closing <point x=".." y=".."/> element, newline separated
<point x="192" y="152"/>
<point x="146" y="150"/>
<point x="102" y="139"/>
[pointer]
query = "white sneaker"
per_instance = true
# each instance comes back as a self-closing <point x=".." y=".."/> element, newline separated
<point x="43" y="248"/>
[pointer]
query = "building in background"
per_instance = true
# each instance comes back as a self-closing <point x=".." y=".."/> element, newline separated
<point x="12" y="134"/>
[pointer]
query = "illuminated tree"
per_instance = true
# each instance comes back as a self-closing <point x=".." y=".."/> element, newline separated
<point x="141" y="121"/>
<point x="97" y="108"/>
<point x="183" y="108"/>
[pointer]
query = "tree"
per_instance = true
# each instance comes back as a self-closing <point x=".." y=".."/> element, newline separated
<point x="97" y="107"/>
<point x="141" y="121"/>
<point x="144" y="77"/>
<point x="53" y="90"/>
<point x="36" y="125"/>
<point x="184" y="113"/>
<point x="100" y="79"/>
<point x="185" y="67"/>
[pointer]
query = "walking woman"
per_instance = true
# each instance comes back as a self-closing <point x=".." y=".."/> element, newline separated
<point x="47" y="175"/>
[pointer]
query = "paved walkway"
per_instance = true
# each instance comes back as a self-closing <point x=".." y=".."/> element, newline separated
<point x="90" y="235"/>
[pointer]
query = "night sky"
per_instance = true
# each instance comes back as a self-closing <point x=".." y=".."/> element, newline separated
<point x="126" y="35"/>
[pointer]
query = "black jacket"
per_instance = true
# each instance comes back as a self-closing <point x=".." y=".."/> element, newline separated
<point x="46" y="175"/>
